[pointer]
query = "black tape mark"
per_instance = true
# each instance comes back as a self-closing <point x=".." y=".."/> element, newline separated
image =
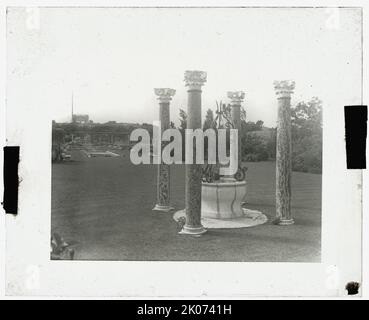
<point x="11" y="160"/>
<point x="352" y="288"/>
<point x="356" y="130"/>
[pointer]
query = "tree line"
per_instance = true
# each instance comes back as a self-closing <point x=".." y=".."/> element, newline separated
<point x="259" y="142"/>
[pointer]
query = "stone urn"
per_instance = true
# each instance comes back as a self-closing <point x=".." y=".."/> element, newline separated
<point x="222" y="199"/>
<point x="221" y="206"/>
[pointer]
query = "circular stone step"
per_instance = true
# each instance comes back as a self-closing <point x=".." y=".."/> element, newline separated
<point x="251" y="218"/>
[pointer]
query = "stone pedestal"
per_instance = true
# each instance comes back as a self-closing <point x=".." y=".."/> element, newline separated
<point x="222" y="199"/>
<point x="284" y="89"/>
<point x="163" y="178"/>
<point x="194" y="81"/>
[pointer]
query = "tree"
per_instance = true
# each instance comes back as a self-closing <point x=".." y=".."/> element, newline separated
<point x="252" y="126"/>
<point x="209" y="120"/>
<point x="259" y="124"/>
<point x="254" y="148"/>
<point x="271" y="145"/>
<point x="306" y="118"/>
<point x="306" y="127"/>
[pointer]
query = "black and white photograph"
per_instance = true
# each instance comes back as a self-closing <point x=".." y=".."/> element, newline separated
<point x="105" y="207"/>
<point x="210" y="135"/>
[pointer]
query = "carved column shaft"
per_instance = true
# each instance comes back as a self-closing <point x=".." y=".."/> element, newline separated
<point x="163" y="176"/>
<point x="194" y="81"/>
<point x="284" y="89"/>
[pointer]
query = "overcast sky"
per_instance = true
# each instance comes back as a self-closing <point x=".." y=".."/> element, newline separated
<point x="112" y="59"/>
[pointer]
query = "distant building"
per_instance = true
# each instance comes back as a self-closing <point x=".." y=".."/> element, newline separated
<point x="80" y="118"/>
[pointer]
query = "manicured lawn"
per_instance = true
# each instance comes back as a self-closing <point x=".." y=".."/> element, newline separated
<point x="104" y="204"/>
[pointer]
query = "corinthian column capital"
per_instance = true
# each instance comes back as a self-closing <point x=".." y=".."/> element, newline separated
<point x="195" y="79"/>
<point x="236" y="97"/>
<point x="164" y="94"/>
<point x="284" y="88"/>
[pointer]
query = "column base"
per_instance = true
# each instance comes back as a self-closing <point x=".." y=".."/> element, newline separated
<point x="158" y="207"/>
<point x="193" y="231"/>
<point x="286" y="222"/>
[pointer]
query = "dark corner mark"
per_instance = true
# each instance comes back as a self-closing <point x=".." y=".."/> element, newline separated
<point x="11" y="160"/>
<point x="356" y="130"/>
<point x="352" y="288"/>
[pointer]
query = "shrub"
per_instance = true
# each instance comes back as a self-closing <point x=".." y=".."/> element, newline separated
<point x="306" y="121"/>
<point x="255" y="148"/>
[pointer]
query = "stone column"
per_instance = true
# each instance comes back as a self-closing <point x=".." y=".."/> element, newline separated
<point x="236" y="101"/>
<point x="283" y="89"/>
<point x="163" y="178"/>
<point x="194" y="80"/>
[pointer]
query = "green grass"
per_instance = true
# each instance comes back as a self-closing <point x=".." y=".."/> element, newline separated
<point x="105" y="205"/>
